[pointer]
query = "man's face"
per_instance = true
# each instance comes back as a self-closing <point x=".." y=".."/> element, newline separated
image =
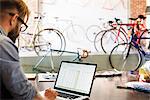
<point x="14" y="33"/>
<point x="19" y="25"/>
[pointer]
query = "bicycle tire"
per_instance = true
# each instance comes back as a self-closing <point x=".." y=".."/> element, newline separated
<point x="109" y="39"/>
<point x="116" y="57"/>
<point x="74" y="32"/>
<point x="143" y="39"/>
<point x="97" y="44"/>
<point x="43" y="42"/>
<point x="91" y="32"/>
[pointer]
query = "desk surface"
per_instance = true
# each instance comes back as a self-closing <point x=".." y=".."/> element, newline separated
<point x="105" y="89"/>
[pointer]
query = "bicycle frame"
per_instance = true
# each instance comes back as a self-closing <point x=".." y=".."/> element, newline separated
<point x="94" y="29"/>
<point x="111" y="35"/>
<point x="68" y="26"/>
<point x="118" y="34"/>
<point x="79" y="57"/>
<point x="134" y="23"/>
<point x="120" y="29"/>
<point x="134" y="41"/>
<point x="30" y="35"/>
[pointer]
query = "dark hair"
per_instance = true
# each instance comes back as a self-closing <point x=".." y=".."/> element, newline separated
<point x="19" y="5"/>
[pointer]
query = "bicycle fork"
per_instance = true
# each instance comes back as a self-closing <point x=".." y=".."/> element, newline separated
<point x="126" y="55"/>
<point x="118" y="35"/>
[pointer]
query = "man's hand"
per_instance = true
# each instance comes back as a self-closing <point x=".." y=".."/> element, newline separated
<point x="50" y="94"/>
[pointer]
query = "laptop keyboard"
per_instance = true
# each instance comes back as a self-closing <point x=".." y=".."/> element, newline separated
<point x="64" y="95"/>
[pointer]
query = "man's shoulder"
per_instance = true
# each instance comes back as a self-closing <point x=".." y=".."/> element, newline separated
<point x="4" y="38"/>
<point x="7" y="45"/>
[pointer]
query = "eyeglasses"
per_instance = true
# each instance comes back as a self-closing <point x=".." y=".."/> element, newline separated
<point x="24" y="26"/>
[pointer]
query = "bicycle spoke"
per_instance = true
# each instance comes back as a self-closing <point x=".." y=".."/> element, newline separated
<point x="49" y="39"/>
<point x="111" y="38"/>
<point x="97" y="42"/>
<point x="120" y="59"/>
<point x="91" y="32"/>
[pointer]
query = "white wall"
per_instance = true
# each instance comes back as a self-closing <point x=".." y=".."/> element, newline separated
<point x="148" y="2"/>
<point x="81" y="12"/>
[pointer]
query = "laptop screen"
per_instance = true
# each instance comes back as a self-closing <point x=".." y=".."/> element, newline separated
<point x="75" y="76"/>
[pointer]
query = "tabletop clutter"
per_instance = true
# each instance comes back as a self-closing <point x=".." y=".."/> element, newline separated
<point x="141" y="81"/>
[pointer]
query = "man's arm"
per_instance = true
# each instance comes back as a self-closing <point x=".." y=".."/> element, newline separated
<point x="12" y="75"/>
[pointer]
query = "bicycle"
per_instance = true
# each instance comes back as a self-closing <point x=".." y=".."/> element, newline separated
<point x="107" y="39"/>
<point x="82" y="54"/>
<point x="108" y="4"/>
<point x="93" y="30"/>
<point x="122" y="55"/>
<point x="41" y="37"/>
<point x="117" y="33"/>
<point x="47" y="38"/>
<point x="69" y="29"/>
<point x="67" y="26"/>
<point x="25" y="40"/>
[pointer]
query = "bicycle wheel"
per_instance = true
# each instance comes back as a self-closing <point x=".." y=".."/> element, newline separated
<point x="48" y="39"/>
<point x="97" y="42"/>
<point x="75" y="33"/>
<point x="110" y="39"/>
<point x="91" y="32"/>
<point x="144" y="39"/>
<point x="119" y="60"/>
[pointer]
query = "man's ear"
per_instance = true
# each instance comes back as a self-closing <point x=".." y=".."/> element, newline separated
<point x="13" y="19"/>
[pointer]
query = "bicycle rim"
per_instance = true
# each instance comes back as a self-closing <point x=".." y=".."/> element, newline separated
<point x="74" y="32"/>
<point x="97" y="42"/>
<point x="91" y="32"/>
<point x="48" y="39"/>
<point x="144" y="42"/>
<point x="119" y="60"/>
<point x="110" y="39"/>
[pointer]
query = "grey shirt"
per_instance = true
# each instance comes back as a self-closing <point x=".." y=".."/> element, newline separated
<point x="13" y="83"/>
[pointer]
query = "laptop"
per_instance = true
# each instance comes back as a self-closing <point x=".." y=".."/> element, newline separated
<point x="74" y="80"/>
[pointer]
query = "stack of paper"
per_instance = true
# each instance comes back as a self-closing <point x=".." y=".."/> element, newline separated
<point x="140" y="86"/>
<point x="47" y="77"/>
<point x="108" y="73"/>
<point x="31" y="76"/>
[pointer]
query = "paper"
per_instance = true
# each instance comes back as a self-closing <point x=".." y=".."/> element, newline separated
<point x="108" y="73"/>
<point x="47" y="77"/>
<point x="30" y="76"/>
<point x="140" y="86"/>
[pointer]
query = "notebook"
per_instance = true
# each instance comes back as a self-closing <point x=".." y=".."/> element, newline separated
<point x="74" y="79"/>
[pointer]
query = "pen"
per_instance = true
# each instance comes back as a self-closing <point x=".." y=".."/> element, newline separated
<point x="124" y="87"/>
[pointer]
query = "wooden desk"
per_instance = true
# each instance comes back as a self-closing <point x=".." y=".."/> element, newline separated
<point x="105" y="89"/>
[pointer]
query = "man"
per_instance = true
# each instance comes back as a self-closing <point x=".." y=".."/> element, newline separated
<point x="13" y="83"/>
